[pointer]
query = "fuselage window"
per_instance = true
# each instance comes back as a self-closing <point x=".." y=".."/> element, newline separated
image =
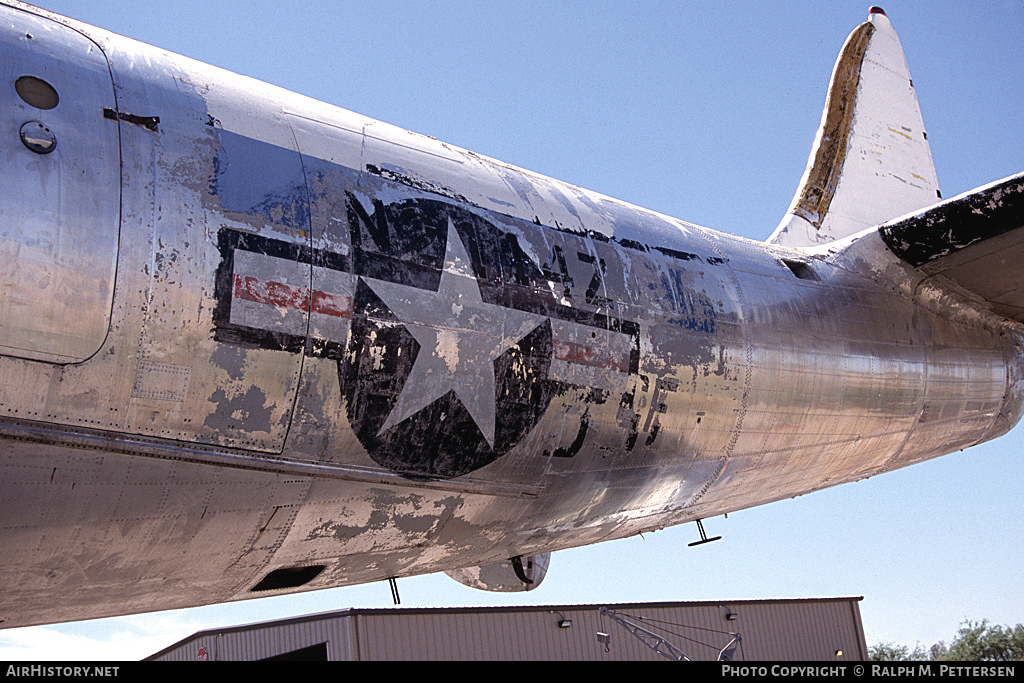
<point x="36" y="92"/>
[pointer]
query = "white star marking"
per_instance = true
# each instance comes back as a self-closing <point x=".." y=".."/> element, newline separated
<point x="460" y="336"/>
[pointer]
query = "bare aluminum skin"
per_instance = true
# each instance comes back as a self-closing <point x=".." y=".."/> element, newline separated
<point x="245" y="332"/>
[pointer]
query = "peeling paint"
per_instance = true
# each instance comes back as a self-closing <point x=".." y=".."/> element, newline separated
<point x="812" y="202"/>
<point x="958" y="223"/>
<point x="249" y="411"/>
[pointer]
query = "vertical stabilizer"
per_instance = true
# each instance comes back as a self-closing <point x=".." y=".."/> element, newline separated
<point x="871" y="161"/>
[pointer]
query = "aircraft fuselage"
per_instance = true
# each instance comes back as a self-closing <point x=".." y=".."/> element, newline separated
<point x="245" y="331"/>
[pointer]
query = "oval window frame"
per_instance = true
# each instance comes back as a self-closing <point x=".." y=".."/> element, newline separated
<point x="35" y="92"/>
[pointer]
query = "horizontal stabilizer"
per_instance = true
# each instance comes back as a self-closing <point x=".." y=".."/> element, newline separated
<point x="976" y="240"/>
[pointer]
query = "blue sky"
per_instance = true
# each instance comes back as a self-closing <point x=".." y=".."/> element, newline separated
<point x="703" y="111"/>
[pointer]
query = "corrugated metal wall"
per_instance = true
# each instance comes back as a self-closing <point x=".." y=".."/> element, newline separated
<point x="260" y="641"/>
<point x="776" y="630"/>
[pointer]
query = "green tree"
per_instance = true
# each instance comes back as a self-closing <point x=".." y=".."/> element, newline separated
<point x="974" y="642"/>
<point x="889" y="652"/>
<point x="981" y="642"/>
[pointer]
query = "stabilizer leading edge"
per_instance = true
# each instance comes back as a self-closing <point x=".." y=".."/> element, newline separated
<point x="871" y="161"/>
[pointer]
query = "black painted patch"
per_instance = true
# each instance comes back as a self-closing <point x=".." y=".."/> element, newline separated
<point x="577" y="443"/>
<point x="418" y="183"/>
<point x="680" y="255"/>
<point x="957" y="223"/>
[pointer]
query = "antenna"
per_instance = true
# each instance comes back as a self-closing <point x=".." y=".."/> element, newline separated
<point x="703" y="536"/>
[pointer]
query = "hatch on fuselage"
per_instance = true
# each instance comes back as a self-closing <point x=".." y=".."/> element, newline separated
<point x="60" y="217"/>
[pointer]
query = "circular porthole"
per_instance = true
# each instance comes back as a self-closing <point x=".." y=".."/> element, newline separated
<point x="38" y="137"/>
<point x="36" y="92"/>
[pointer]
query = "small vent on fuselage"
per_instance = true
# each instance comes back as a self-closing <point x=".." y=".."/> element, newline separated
<point x="800" y="269"/>
<point x="288" y="577"/>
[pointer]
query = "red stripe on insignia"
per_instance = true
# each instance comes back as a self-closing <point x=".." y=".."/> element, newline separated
<point x="288" y="296"/>
<point x="332" y="304"/>
<point x="588" y="355"/>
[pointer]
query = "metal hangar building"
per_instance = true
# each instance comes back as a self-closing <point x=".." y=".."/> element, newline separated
<point x="811" y="629"/>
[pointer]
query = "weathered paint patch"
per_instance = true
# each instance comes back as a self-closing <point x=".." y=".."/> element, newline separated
<point x="975" y="240"/>
<point x="406" y="178"/>
<point x="577" y="443"/>
<point x="241" y="329"/>
<point x="393" y="521"/>
<point x="697" y="312"/>
<point x="259" y="183"/>
<point x="281" y="295"/>
<point x="248" y="411"/>
<point x="591" y="356"/>
<point x="958" y="223"/>
<point x="231" y="359"/>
